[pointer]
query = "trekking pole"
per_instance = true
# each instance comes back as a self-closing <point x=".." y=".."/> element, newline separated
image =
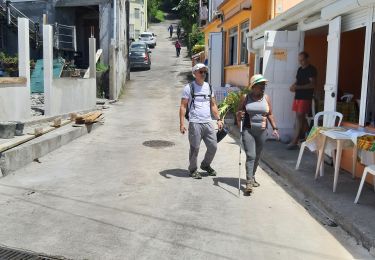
<point x="239" y="161"/>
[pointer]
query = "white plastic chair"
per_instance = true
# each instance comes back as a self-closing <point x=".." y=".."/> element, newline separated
<point x="330" y="119"/>
<point x="313" y="113"/>
<point x="369" y="169"/>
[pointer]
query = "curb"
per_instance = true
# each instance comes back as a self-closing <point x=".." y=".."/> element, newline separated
<point x="359" y="232"/>
<point x="20" y="156"/>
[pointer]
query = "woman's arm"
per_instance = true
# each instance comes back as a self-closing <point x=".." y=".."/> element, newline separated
<point x="271" y="118"/>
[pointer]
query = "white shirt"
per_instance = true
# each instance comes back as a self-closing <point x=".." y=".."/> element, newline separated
<point x="200" y="109"/>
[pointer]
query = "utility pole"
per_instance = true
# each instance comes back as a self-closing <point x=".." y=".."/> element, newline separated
<point x="127" y="10"/>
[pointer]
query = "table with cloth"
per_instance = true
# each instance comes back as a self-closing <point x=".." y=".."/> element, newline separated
<point x="324" y="140"/>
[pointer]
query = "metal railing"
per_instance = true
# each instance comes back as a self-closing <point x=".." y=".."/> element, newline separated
<point x="12" y="13"/>
<point x="65" y="37"/>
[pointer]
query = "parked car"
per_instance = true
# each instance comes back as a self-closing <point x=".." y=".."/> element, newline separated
<point x="139" y="56"/>
<point x="139" y="45"/>
<point x="149" y="38"/>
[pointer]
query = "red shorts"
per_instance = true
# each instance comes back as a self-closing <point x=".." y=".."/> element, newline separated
<point x="302" y="106"/>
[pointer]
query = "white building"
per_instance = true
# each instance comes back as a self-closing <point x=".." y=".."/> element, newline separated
<point x="137" y="18"/>
<point x="338" y="35"/>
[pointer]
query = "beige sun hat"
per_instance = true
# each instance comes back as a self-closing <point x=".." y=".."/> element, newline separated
<point x="257" y="78"/>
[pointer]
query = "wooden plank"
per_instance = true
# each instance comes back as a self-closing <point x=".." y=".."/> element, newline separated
<point x="97" y="56"/>
<point x="15" y="142"/>
<point x="88" y="118"/>
<point x="13" y="80"/>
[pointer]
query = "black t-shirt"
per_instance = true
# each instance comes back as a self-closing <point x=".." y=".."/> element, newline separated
<point x="303" y="77"/>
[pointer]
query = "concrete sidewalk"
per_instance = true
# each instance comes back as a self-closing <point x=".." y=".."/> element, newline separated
<point x="357" y="220"/>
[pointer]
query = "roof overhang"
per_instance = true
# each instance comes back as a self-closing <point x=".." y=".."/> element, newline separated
<point x="74" y="3"/>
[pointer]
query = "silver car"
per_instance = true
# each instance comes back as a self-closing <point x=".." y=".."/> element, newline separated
<point x="149" y="38"/>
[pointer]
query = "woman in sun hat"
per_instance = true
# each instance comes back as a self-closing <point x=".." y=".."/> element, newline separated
<point x="256" y="110"/>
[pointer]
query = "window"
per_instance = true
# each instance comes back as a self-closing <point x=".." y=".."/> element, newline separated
<point x="233" y="49"/>
<point x="131" y="31"/>
<point x="136" y="13"/>
<point x="244" y="51"/>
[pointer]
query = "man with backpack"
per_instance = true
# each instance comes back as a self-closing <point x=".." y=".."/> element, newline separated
<point x="177" y="45"/>
<point x="197" y="105"/>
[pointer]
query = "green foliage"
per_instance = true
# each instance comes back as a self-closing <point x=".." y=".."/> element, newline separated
<point x="153" y="10"/>
<point x="160" y="16"/>
<point x="196" y="36"/>
<point x="231" y="103"/>
<point x="101" y="67"/>
<point x="188" y="10"/>
<point x="9" y="63"/>
<point x="197" y="49"/>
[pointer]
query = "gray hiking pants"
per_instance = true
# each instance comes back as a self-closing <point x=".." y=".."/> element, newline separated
<point x="197" y="132"/>
<point x="253" y="142"/>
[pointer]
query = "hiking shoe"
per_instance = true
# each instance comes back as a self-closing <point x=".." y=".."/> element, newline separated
<point x="209" y="170"/>
<point x="255" y="183"/>
<point x="249" y="186"/>
<point x="195" y="175"/>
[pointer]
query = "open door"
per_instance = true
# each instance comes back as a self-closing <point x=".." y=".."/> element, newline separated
<point x="216" y="61"/>
<point x="280" y="64"/>
<point x="333" y="58"/>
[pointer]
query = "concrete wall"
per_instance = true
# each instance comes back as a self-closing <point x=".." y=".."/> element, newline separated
<point x="66" y="95"/>
<point x="119" y="54"/>
<point x="15" y="98"/>
<point x="72" y="95"/>
<point x="105" y="36"/>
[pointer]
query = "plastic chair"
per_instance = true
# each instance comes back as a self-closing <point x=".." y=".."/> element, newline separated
<point x="369" y="169"/>
<point x="330" y="119"/>
<point x="310" y="119"/>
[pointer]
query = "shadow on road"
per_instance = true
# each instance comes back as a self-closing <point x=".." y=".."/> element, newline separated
<point x="175" y="172"/>
<point x="230" y="182"/>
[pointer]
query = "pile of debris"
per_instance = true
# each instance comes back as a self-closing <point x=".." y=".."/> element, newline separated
<point x="37" y="104"/>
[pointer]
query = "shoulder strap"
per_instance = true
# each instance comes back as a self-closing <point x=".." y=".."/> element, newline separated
<point x="192" y="94"/>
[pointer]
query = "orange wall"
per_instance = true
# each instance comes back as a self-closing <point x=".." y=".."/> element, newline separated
<point x="260" y="12"/>
<point x="351" y="62"/>
<point x="237" y="76"/>
<point x="316" y="46"/>
<point x="283" y="5"/>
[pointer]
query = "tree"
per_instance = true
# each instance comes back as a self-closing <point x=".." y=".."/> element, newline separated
<point x="153" y="8"/>
<point x="188" y="11"/>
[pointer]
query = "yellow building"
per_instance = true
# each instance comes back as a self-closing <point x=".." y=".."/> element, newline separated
<point x="138" y="18"/>
<point x="235" y="18"/>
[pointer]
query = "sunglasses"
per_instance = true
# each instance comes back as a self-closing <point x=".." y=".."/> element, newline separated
<point x="202" y="72"/>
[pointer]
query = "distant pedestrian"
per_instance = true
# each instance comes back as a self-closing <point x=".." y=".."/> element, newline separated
<point x="178" y="31"/>
<point x="304" y="92"/>
<point x="198" y="102"/>
<point x="177" y="45"/>
<point x="255" y="110"/>
<point x="170" y="29"/>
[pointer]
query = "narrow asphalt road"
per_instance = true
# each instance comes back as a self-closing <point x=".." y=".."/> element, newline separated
<point x="108" y="196"/>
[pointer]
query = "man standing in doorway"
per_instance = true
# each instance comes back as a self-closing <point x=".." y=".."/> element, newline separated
<point x="198" y="99"/>
<point x="304" y="91"/>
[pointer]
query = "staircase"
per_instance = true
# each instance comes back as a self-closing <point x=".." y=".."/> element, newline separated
<point x="10" y="14"/>
<point x="64" y="35"/>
